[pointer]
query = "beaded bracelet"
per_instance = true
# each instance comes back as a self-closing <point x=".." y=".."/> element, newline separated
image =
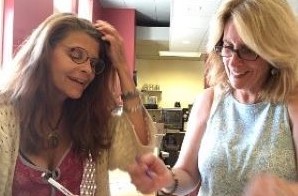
<point x="130" y="95"/>
<point x="176" y="183"/>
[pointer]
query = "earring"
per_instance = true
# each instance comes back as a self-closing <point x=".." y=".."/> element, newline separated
<point x="273" y="71"/>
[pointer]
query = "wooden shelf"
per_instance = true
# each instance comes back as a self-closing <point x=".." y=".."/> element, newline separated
<point x="151" y="91"/>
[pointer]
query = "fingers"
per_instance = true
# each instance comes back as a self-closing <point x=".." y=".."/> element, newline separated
<point x="142" y="177"/>
<point x="116" y="44"/>
<point x="104" y="26"/>
<point x="109" y="32"/>
<point x="148" y="173"/>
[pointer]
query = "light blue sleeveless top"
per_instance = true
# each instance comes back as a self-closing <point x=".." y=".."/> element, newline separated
<point x="242" y="140"/>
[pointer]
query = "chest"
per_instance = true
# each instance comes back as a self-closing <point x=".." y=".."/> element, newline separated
<point x="241" y="141"/>
<point x="28" y="177"/>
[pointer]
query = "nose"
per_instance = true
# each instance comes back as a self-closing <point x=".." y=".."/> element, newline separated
<point x="87" y="67"/>
<point x="235" y="59"/>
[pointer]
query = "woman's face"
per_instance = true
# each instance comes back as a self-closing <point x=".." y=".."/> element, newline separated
<point x="243" y="74"/>
<point x="70" y="67"/>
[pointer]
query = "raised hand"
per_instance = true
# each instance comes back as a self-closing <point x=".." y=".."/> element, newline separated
<point x="115" y="41"/>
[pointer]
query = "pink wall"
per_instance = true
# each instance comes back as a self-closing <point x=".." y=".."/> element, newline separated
<point x="28" y="15"/>
<point x="22" y="16"/>
<point x="7" y="31"/>
<point x="124" y="21"/>
<point x="97" y="10"/>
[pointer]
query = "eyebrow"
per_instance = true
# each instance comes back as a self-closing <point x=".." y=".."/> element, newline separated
<point x="78" y="46"/>
<point x="242" y="45"/>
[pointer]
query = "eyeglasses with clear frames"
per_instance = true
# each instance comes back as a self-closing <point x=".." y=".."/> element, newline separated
<point x="243" y="53"/>
<point x="80" y="55"/>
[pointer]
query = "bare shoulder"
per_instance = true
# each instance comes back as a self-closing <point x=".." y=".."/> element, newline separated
<point x="293" y="106"/>
<point x="293" y="110"/>
<point x="199" y="114"/>
<point x="203" y="103"/>
<point x="195" y="130"/>
<point x="293" y="114"/>
<point x="207" y="94"/>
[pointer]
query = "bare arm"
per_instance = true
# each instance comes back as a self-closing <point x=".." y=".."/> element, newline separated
<point x="186" y="167"/>
<point x="149" y="173"/>
<point x="117" y="55"/>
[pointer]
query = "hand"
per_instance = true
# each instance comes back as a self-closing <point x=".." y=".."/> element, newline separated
<point x="266" y="184"/>
<point x="149" y="174"/>
<point x="116" y="46"/>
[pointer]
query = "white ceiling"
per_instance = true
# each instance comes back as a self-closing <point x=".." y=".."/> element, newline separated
<point x="149" y="12"/>
<point x="187" y="19"/>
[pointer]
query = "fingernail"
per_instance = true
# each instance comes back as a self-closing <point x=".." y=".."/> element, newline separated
<point x="148" y="173"/>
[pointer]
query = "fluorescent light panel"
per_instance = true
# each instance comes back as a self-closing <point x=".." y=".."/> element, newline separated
<point x="179" y="54"/>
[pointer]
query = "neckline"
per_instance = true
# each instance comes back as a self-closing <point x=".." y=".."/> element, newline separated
<point x="27" y="162"/>
<point x="232" y="97"/>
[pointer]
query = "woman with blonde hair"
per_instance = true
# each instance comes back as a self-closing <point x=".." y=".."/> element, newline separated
<point x="242" y="136"/>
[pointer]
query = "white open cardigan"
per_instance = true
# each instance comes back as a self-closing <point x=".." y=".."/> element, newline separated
<point x="125" y="146"/>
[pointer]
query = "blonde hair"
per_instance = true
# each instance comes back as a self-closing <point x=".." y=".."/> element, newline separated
<point x="268" y="27"/>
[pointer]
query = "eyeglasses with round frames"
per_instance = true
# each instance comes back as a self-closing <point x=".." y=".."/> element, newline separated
<point x="80" y="55"/>
<point x="243" y="53"/>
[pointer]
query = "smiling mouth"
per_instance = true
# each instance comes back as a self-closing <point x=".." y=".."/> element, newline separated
<point x="238" y="75"/>
<point x="78" y="81"/>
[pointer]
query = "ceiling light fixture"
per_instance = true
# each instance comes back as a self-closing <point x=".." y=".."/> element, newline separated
<point x="185" y="42"/>
<point x="180" y="54"/>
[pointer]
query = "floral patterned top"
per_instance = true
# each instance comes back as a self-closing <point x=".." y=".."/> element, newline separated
<point x="242" y="140"/>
